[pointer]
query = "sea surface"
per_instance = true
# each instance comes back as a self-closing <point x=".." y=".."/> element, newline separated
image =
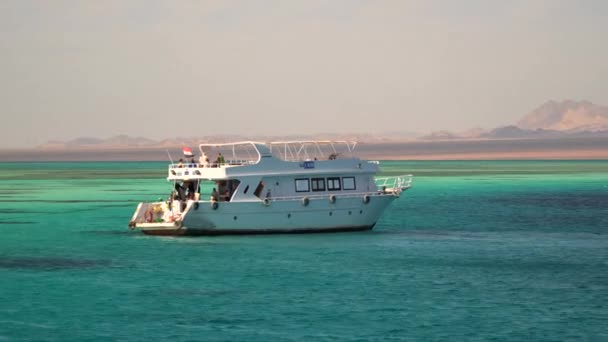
<point x="476" y="250"/>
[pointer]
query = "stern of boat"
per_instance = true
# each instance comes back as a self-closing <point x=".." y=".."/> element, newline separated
<point x="156" y="216"/>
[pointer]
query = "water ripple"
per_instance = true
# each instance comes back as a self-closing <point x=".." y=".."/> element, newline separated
<point x="50" y="263"/>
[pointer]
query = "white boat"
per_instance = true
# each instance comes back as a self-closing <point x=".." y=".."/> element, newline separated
<point x="279" y="187"/>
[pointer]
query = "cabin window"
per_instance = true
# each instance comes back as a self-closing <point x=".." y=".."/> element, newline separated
<point x="318" y="184"/>
<point x="225" y="189"/>
<point x="348" y="183"/>
<point x="302" y="185"/>
<point x="333" y="184"/>
<point x="259" y="189"/>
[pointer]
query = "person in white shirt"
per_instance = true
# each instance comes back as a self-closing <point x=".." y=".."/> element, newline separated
<point x="203" y="160"/>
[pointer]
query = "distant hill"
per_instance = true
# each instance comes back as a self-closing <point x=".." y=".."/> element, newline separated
<point x="567" y="116"/>
<point x="118" y="141"/>
<point x="124" y="141"/>
<point x="553" y="119"/>
<point x="514" y="132"/>
<point x="550" y="120"/>
<point x="83" y="141"/>
<point x="441" y="135"/>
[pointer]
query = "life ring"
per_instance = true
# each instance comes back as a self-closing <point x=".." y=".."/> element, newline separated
<point x="305" y="201"/>
<point x="266" y="201"/>
<point x="214" y="205"/>
<point x="332" y="199"/>
<point x="149" y="215"/>
<point x="366" y="199"/>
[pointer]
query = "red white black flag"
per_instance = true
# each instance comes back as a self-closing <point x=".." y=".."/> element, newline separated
<point x="187" y="152"/>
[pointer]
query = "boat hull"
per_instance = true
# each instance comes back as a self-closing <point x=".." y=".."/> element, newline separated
<point x="317" y="215"/>
<point x="216" y="232"/>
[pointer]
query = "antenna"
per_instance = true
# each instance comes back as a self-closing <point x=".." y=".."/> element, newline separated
<point x="171" y="159"/>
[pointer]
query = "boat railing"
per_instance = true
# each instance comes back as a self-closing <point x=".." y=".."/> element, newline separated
<point x="394" y="183"/>
<point x="147" y="213"/>
<point x="227" y="163"/>
<point x="330" y="195"/>
<point x="294" y="151"/>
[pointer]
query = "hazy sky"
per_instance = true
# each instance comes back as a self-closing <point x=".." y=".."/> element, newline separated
<point x="168" y="68"/>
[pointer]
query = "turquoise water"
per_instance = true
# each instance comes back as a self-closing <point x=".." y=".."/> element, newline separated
<point x="500" y="250"/>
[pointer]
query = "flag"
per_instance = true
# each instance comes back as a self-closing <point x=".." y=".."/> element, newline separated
<point x="187" y="152"/>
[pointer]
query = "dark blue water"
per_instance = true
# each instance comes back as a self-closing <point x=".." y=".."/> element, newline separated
<point x="474" y="251"/>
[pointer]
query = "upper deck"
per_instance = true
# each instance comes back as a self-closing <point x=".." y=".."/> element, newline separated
<point x="312" y="150"/>
<point x="222" y="161"/>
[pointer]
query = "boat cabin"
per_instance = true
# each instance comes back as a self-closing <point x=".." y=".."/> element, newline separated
<point x="252" y="171"/>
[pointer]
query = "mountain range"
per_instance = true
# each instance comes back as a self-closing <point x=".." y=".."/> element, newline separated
<point x="567" y="116"/>
<point x="553" y="119"/>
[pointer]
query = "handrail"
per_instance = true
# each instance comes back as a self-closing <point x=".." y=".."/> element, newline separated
<point x="228" y="162"/>
<point x="326" y="195"/>
<point x="309" y="150"/>
<point x="395" y="183"/>
<point x="376" y="193"/>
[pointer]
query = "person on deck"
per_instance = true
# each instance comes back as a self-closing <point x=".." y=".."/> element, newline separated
<point x="203" y="160"/>
<point x="220" y="160"/>
<point x="191" y="190"/>
<point x="214" y="195"/>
